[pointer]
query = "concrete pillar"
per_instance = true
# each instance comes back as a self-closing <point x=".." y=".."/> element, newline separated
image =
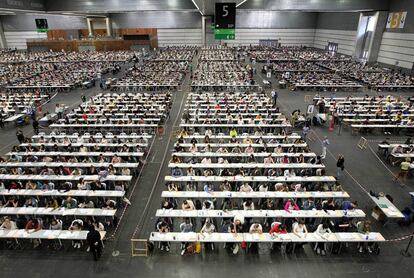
<point x="381" y="17"/>
<point x="90" y="29"/>
<point x="108" y="26"/>
<point x="203" y="29"/>
<point x="3" y="42"/>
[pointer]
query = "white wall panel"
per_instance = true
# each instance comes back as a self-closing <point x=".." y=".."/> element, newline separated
<point x="397" y="47"/>
<point x="389" y="61"/>
<point x="344" y="39"/>
<point x="18" y="39"/>
<point x="287" y="37"/>
<point x="179" y="37"/>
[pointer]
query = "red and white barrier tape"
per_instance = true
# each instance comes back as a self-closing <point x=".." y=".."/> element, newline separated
<point x="400" y="238"/>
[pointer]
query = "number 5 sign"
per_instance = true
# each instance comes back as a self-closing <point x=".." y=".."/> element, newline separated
<point x="225" y="15"/>
<point x="396" y="20"/>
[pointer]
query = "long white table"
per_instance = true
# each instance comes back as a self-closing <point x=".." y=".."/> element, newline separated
<point x="215" y="154"/>
<point x="78" y="144"/>
<point x="57" y="193"/>
<point x="386" y="146"/>
<point x="231" y="110"/>
<point x="244" y="145"/>
<point x="246" y="165"/>
<point x="373" y="121"/>
<point x="234" y="114"/>
<point x="372" y="115"/>
<point x="259" y="213"/>
<point x="64" y="178"/>
<point x="264" y="237"/>
<point x="120" y="154"/>
<point x="255" y="194"/>
<point x="76" y="136"/>
<point x="47" y="234"/>
<point x="13" y="118"/>
<point x="402" y="155"/>
<point x="112" y="125"/>
<point x="242" y="136"/>
<point x="93" y="121"/>
<point x="236" y="125"/>
<point x="381" y="126"/>
<point x="389" y="209"/>
<point x="250" y="179"/>
<point x="67" y="164"/>
<point x="59" y="211"/>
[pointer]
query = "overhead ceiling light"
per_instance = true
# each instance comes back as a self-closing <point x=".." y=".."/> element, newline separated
<point x="195" y="4"/>
<point x="240" y="3"/>
<point x="7" y="13"/>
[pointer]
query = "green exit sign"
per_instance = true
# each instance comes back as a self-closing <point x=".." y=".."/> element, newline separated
<point x="224" y="34"/>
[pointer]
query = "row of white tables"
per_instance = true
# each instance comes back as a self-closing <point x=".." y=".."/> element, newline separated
<point x="250" y="179"/>
<point x="79" y="144"/>
<point x="108" y="125"/>
<point x="265" y="237"/>
<point x="46" y="234"/>
<point x="356" y="213"/>
<point x="64" y="178"/>
<point x="106" y="154"/>
<point x="97" y="165"/>
<point x="87" y="136"/>
<point x="216" y="154"/>
<point x="242" y="136"/>
<point x="254" y="194"/>
<point x="244" y="145"/>
<point x="237" y="125"/>
<point x="57" y="212"/>
<point x="246" y="165"/>
<point x="57" y="193"/>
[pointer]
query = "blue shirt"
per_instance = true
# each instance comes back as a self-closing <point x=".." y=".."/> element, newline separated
<point x="347" y="205"/>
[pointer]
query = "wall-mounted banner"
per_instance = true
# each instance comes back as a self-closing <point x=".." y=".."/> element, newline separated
<point x="396" y="20"/>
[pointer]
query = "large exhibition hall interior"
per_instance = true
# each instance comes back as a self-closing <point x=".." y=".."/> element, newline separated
<point x="206" y="138"/>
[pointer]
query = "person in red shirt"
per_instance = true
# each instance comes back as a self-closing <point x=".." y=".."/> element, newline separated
<point x="33" y="225"/>
<point x="285" y="159"/>
<point x="276" y="229"/>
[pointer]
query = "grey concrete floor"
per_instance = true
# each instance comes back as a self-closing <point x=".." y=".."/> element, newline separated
<point x="364" y="172"/>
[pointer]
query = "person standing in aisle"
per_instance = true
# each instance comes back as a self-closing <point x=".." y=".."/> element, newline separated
<point x="59" y="110"/>
<point x="94" y="240"/>
<point x="35" y="125"/>
<point x="404" y="168"/>
<point x="325" y="143"/>
<point x="305" y="131"/>
<point x="1" y="119"/>
<point x="20" y="136"/>
<point x="274" y="97"/>
<point x="340" y="165"/>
